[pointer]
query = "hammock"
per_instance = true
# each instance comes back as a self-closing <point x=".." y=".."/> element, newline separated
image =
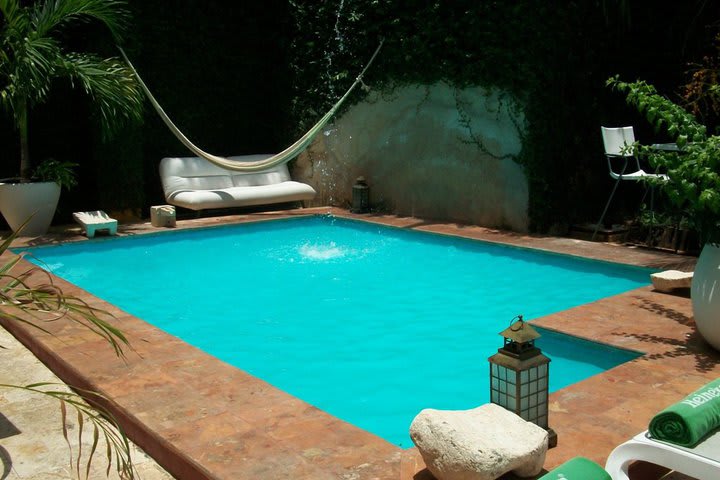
<point x="253" y="166"/>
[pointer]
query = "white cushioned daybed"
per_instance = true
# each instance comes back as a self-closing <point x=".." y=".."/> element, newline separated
<point x="195" y="183"/>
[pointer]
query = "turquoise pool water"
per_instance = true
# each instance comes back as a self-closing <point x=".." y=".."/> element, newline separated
<point x="369" y="323"/>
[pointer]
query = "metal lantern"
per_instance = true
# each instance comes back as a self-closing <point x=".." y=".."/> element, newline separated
<point x="360" y="196"/>
<point x="519" y="375"/>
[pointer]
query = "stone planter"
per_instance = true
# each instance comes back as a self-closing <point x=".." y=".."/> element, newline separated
<point x="705" y="294"/>
<point x="21" y="201"/>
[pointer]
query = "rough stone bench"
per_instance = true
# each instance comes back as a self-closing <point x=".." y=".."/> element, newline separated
<point x="670" y="279"/>
<point x="483" y="443"/>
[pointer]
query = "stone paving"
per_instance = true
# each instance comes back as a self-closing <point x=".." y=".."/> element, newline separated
<point x="32" y="444"/>
<point x="201" y="418"/>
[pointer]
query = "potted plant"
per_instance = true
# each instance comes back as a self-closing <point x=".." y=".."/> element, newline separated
<point x="693" y="187"/>
<point x="33" y="202"/>
<point x="32" y="58"/>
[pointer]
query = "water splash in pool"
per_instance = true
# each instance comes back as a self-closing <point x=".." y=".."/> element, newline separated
<point x="322" y="252"/>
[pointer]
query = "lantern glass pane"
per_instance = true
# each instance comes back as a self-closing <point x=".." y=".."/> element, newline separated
<point x="523" y="376"/>
<point x="532" y="414"/>
<point x="542" y="370"/>
<point x="511" y="378"/>
<point x="542" y="383"/>
<point x="542" y="421"/>
<point x="533" y="373"/>
<point x="542" y="397"/>
<point x="523" y="390"/>
<point x="524" y="403"/>
<point x="502" y="399"/>
<point x="503" y="387"/>
<point x="533" y="387"/>
<point x="493" y="370"/>
<point x="532" y="400"/>
<point x="495" y="383"/>
<point x="511" y="403"/>
<point x="494" y="396"/>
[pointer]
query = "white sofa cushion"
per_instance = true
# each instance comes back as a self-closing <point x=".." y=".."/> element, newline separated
<point x="195" y="183"/>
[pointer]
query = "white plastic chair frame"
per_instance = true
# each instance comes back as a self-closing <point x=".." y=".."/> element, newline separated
<point x="619" y="143"/>
<point x="701" y="462"/>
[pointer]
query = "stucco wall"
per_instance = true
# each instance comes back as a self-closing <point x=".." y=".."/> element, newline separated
<point x="419" y="159"/>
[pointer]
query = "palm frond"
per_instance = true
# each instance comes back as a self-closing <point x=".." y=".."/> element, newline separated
<point x="37" y="67"/>
<point x="103" y="424"/>
<point x="110" y="83"/>
<point x="53" y="15"/>
<point x="36" y="303"/>
<point x="28" y="66"/>
<point x="32" y="298"/>
<point x="13" y="13"/>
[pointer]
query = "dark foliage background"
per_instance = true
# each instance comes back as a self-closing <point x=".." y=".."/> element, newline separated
<point x="219" y="69"/>
<point x="554" y="57"/>
<point x="246" y="77"/>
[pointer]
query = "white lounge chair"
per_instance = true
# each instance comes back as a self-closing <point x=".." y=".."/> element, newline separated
<point x="95" y="220"/>
<point x="702" y="462"/>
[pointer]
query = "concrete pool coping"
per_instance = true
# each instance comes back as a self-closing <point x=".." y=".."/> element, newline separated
<point x="201" y="418"/>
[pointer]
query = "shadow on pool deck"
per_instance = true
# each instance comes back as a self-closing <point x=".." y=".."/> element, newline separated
<point x="201" y="418"/>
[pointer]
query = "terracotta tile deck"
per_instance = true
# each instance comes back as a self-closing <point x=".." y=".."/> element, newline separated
<point x="201" y="418"/>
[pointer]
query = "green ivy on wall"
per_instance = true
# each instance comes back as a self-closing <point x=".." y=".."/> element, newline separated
<point x="552" y="60"/>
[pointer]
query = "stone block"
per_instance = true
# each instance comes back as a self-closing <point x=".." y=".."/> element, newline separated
<point x="671" y="279"/>
<point x="162" y="216"/>
<point x="483" y="443"/>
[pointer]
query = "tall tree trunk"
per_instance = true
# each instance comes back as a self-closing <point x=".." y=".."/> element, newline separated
<point x="22" y="120"/>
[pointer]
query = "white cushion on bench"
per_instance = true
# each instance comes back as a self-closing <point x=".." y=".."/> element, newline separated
<point x="195" y="183"/>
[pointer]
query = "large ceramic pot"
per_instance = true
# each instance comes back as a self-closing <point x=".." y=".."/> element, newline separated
<point x="21" y="201"/>
<point x="705" y="294"/>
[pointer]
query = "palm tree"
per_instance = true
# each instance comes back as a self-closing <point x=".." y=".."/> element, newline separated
<point x="32" y="57"/>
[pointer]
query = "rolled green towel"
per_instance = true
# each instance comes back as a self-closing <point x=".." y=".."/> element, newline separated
<point x="688" y="421"/>
<point x="578" y="468"/>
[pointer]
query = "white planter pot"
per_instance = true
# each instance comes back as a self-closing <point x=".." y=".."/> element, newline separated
<point x="705" y="294"/>
<point x="20" y="201"/>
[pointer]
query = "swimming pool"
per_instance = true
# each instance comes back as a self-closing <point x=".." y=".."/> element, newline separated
<point x="369" y="323"/>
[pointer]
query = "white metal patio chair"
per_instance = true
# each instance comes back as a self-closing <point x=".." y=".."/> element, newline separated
<point x="701" y="462"/>
<point x="619" y="144"/>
